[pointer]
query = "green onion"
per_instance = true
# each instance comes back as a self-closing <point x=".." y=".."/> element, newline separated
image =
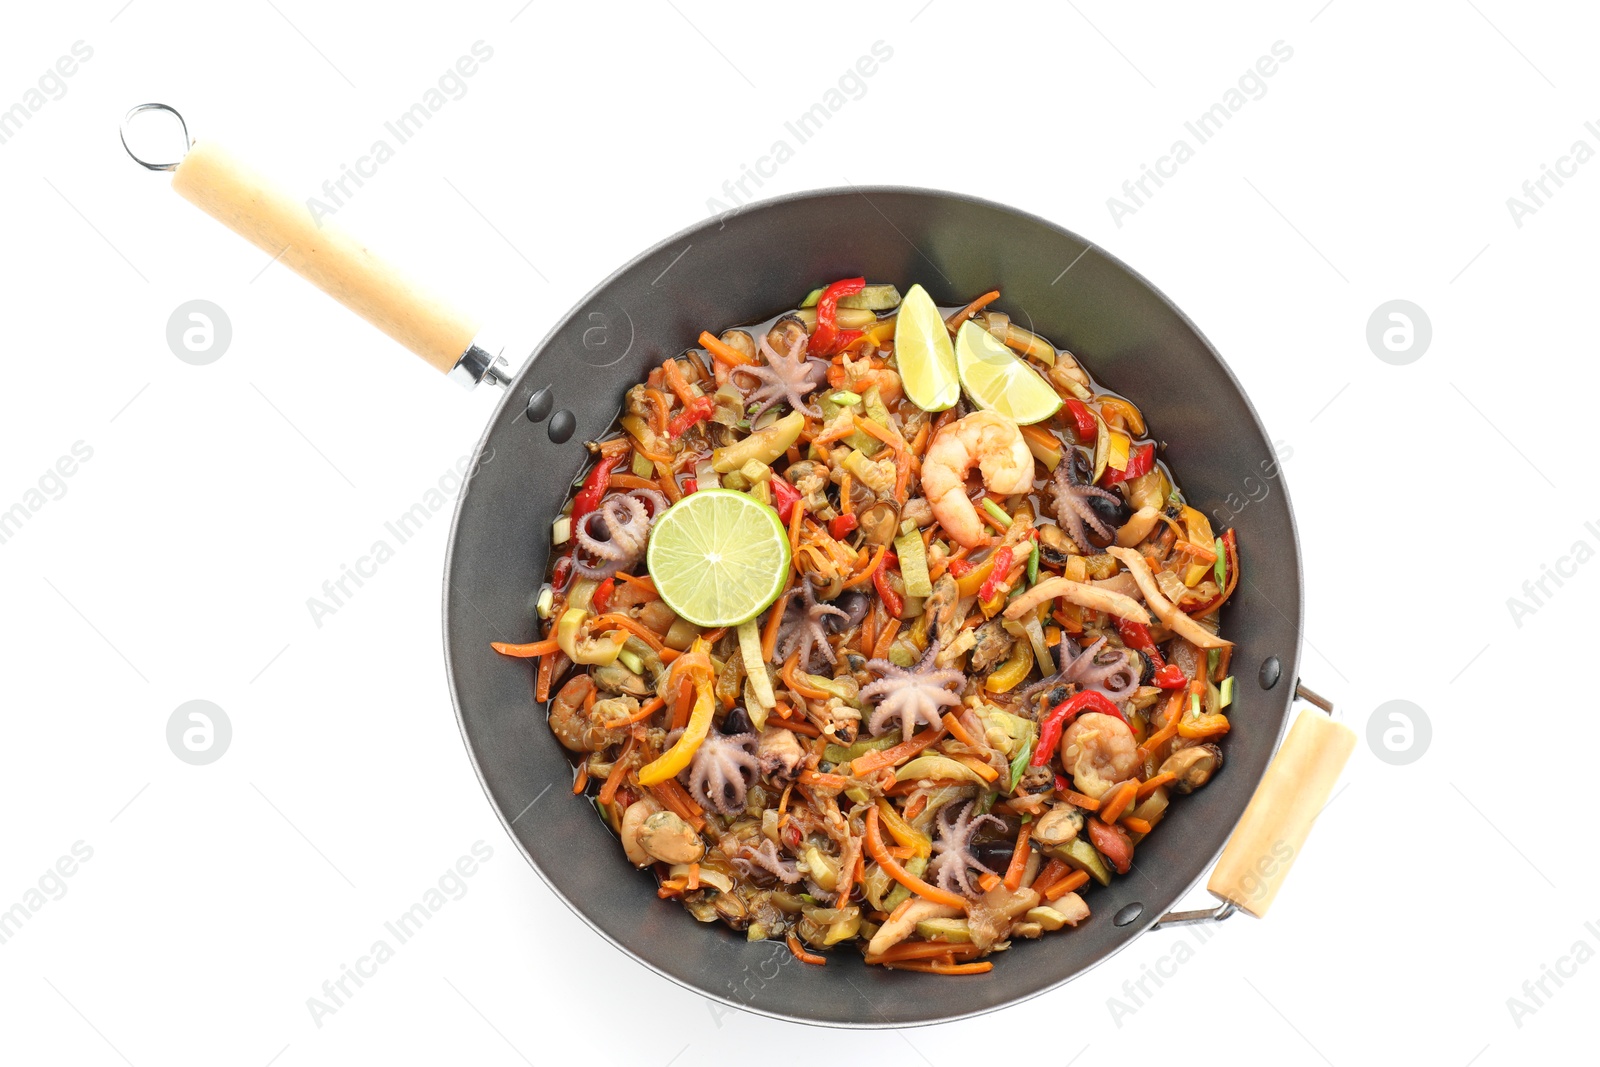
<point x="1019" y="765"/>
<point x="1221" y="567"/>
<point x="845" y="397"/>
<point x="1033" y="564"/>
<point x="1194" y="705"/>
<point x="1213" y="657"/>
<point x="1227" y="693"/>
<point x="985" y="802"/>
<point x="811" y="298"/>
<point x="996" y="513"/>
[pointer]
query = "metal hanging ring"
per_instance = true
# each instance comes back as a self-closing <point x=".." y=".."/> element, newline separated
<point x="126" y="119"/>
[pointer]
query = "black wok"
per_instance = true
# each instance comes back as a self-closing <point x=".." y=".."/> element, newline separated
<point x="743" y="268"/>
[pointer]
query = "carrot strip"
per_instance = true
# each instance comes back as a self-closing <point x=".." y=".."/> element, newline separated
<point x="1019" y="857"/>
<point x="865" y="574"/>
<point x="1170" y="730"/>
<point x="980" y="768"/>
<point x="631" y="481"/>
<point x="810" y="692"/>
<point x="677" y="382"/>
<point x="619" y="771"/>
<point x="887" y="436"/>
<point x="891" y="630"/>
<point x="649" y="708"/>
<point x="658" y="410"/>
<point x="1138" y="826"/>
<point x="799" y="726"/>
<point x="1048" y="875"/>
<point x="682" y="704"/>
<point x="953" y="323"/>
<point x="934" y="967"/>
<point x="1117" y="801"/>
<point x="692" y="882"/>
<point x="528" y="651"/>
<point x="613" y="621"/>
<point x="893" y="869"/>
<point x="987" y="882"/>
<point x="914" y="808"/>
<point x="953" y="724"/>
<point x="845" y="486"/>
<point x="547" y="674"/>
<point x="921" y="950"/>
<point x="675" y="800"/>
<point x="1078" y="799"/>
<point x="1075" y="880"/>
<point x="824" y="780"/>
<point x="769" y="636"/>
<point x="582" y="781"/>
<point x="723" y="353"/>
<point x="803" y="956"/>
<point x="645" y="584"/>
<point x="864" y="765"/>
<point x="1152" y="784"/>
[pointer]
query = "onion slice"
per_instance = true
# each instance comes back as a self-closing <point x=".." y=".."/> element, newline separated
<point x="1081" y="594"/>
<point x="1168" y="612"/>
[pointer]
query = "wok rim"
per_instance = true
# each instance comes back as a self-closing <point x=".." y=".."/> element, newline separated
<point x="1133" y="931"/>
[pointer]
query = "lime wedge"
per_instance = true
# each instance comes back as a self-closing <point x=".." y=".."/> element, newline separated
<point x="998" y="381"/>
<point x="922" y="349"/>
<point x="718" y="557"/>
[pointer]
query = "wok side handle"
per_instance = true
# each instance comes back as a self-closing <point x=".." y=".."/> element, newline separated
<point x="234" y="194"/>
<point x="1277" y="820"/>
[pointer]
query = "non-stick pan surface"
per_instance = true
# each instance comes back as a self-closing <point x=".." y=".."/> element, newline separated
<point x="743" y="269"/>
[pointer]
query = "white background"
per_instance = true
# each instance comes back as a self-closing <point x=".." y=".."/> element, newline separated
<point x="219" y="498"/>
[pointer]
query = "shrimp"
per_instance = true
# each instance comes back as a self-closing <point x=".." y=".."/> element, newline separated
<point x="1099" y="751"/>
<point x="994" y="445"/>
<point x="576" y="727"/>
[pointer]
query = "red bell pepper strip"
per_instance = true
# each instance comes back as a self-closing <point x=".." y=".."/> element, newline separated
<point x="1083" y="421"/>
<point x="1056" y="720"/>
<point x="696" y="411"/>
<point x="784" y="497"/>
<point x="997" y="576"/>
<point x="840" y="527"/>
<point x="1140" y="460"/>
<point x="825" y="341"/>
<point x="602" y="595"/>
<point x="594" y="487"/>
<point x="893" y="602"/>
<point x="690" y="485"/>
<point x="1169" y="677"/>
<point x="1136" y="635"/>
<point x="960" y="568"/>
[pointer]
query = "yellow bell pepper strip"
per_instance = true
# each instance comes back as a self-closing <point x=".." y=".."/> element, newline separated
<point x="903" y="832"/>
<point x="1013" y="670"/>
<point x="697" y="665"/>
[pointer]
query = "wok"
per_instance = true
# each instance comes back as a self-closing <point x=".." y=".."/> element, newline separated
<point x="741" y="268"/>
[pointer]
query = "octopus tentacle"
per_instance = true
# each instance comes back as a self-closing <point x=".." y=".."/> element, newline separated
<point x="803" y="627"/>
<point x="953" y="858"/>
<point x="724" y="769"/>
<point x="765" y="858"/>
<point x="1073" y="512"/>
<point x="910" y="698"/>
<point x="784" y="378"/>
<point x="614" y="534"/>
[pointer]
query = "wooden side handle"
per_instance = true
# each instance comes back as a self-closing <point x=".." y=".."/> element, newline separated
<point x="344" y="268"/>
<point x="1291" y="795"/>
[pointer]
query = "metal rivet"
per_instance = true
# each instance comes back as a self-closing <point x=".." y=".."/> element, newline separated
<point x="562" y="423"/>
<point x="1128" y="914"/>
<point x="1271" y="671"/>
<point x="540" y="403"/>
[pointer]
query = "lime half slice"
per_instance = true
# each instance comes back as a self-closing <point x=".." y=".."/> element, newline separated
<point x="718" y="557"/>
<point x="998" y="381"/>
<point x="922" y="350"/>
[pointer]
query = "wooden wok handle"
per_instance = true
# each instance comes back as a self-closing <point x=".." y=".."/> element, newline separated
<point x="1291" y="795"/>
<point x="344" y="268"/>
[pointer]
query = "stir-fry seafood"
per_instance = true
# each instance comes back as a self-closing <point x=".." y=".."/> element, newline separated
<point x="948" y="666"/>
